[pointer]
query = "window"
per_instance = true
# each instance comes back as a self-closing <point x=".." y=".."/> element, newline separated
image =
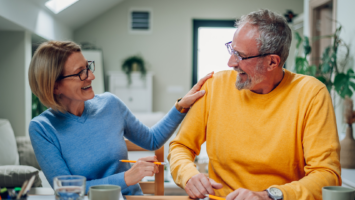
<point x="57" y="6"/>
<point x="209" y="51"/>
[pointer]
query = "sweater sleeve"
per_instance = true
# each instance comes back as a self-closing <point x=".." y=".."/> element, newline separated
<point x="187" y="144"/>
<point x="321" y="152"/>
<point x="48" y="154"/>
<point x="155" y="137"/>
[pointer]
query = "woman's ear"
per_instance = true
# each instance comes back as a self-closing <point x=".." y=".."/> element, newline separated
<point x="274" y="62"/>
<point x="56" y="89"/>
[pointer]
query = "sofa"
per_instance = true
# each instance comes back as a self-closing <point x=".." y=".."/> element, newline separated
<point x="17" y="159"/>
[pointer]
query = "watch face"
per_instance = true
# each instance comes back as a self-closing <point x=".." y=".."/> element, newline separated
<point x="275" y="192"/>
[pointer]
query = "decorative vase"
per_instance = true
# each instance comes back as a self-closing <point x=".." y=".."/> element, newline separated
<point x="347" y="150"/>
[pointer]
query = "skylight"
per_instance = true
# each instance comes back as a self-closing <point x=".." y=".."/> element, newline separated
<point x="57" y="6"/>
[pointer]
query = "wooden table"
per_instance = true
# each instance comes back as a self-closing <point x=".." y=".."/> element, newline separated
<point x="158" y="197"/>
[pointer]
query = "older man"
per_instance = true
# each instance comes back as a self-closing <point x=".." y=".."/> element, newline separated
<point x="270" y="133"/>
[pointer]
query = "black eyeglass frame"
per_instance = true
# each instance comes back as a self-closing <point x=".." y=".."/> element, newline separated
<point x="236" y="54"/>
<point x="78" y="74"/>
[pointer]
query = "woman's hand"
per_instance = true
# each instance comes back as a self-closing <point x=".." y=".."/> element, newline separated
<point x="143" y="167"/>
<point x="189" y="99"/>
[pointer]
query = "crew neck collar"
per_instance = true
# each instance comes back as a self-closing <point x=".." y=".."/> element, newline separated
<point x="274" y="91"/>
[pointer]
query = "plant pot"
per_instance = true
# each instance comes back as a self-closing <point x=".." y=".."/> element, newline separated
<point x="347" y="150"/>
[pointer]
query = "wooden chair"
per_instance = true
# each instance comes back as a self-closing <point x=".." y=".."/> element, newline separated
<point x="156" y="187"/>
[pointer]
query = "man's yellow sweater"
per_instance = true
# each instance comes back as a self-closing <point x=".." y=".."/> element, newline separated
<point x="285" y="139"/>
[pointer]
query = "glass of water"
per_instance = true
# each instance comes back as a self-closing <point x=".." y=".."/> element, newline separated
<point x="70" y="187"/>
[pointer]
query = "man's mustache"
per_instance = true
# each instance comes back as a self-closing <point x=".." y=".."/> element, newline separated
<point x="238" y="70"/>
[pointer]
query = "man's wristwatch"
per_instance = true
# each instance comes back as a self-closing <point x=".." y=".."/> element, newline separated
<point x="179" y="108"/>
<point x="275" y="193"/>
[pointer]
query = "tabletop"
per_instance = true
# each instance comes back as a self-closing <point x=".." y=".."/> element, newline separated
<point x="157" y="197"/>
<point x="51" y="197"/>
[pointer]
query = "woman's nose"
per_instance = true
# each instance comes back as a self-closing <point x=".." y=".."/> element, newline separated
<point x="91" y="75"/>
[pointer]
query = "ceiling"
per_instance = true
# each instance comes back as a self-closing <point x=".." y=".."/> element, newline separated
<point x="80" y="12"/>
<point x="6" y="25"/>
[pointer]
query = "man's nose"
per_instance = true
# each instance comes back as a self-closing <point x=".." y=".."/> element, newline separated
<point x="232" y="62"/>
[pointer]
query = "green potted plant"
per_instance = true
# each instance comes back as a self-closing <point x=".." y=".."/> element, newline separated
<point x="134" y="64"/>
<point x="331" y="71"/>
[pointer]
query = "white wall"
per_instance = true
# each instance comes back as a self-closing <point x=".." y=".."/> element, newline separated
<point x="344" y="10"/>
<point x="34" y="19"/>
<point x="15" y="54"/>
<point x="168" y="49"/>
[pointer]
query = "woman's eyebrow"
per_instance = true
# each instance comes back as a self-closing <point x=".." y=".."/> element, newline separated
<point x="81" y="67"/>
<point x="78" y="69"/>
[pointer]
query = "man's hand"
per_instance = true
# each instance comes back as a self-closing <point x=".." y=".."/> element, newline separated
<point x="143" y="167"/>
<point x="199" y="185"/>
<point x="244" y="194"/>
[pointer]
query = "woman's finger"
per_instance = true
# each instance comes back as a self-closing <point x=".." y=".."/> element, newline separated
<point x="156" y="169"/>
<point x="149" y="159"/>
<point x="197" y="95"/>
<point x="203" y="80"/>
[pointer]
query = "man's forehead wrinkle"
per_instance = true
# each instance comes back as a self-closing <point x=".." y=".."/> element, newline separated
<point x="245" y="39"/>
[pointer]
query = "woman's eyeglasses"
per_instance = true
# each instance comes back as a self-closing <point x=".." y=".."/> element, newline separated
<point x="83" y="74"/>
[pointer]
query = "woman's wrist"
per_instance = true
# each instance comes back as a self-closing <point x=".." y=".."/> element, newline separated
<point x="127" y="178"/>
<point x="181" y="107"/>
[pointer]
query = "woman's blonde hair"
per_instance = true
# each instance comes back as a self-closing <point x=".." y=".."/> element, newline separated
<point x="46" y="66"/>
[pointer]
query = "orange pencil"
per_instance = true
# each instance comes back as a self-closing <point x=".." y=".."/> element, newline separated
<point x="214" y="197"/>
<point x="133" y="161"/>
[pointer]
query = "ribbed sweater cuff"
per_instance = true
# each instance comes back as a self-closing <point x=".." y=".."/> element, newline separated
<point x="175" y="112"/>
<point x="118" y="179"/>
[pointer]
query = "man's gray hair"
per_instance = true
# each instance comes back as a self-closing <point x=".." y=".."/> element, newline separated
<point x="275" y="34"/>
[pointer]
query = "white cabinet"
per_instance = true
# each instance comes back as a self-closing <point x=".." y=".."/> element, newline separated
<point x="138" y="96"/>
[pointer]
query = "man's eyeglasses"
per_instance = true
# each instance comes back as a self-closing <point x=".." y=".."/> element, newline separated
<point x="231" y="51"/>
<point x="83" y="74"/>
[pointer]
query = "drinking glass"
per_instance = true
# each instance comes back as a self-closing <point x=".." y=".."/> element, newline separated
<point x="69" y="187"/>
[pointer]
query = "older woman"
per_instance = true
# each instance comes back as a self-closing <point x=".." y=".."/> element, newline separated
<point x="82" y="133"/>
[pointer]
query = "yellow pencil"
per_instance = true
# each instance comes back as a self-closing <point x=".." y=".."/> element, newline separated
<point x="214" y="197"/>
<point x="133" y="161"/>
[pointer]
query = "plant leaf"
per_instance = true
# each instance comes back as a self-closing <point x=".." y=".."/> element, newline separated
<point x="298" y="39"/>
<point x="350" y="72"/>
<point x="311" y="70"/>
<point x="342" y="85"/>
<point x="352" y="84"/>
<point x="306" y="47"/>
<point x="301" y="65"/>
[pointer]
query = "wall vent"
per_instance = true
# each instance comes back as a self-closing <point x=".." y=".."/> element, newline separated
<point x="140" y="21"/>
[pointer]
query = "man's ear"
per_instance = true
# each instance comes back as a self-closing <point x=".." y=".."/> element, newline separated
<point x="274" y="62"/>
<point x="56" y="89"/>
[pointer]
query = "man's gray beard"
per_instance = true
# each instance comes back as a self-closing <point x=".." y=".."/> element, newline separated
<point x="243" y="85"/>
<point x="249" y="83"/>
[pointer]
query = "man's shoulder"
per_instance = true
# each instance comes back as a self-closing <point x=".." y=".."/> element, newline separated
<point x="306" y="83"/>
<point x="225" y="74"/>
<point x="223" y="77"/>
